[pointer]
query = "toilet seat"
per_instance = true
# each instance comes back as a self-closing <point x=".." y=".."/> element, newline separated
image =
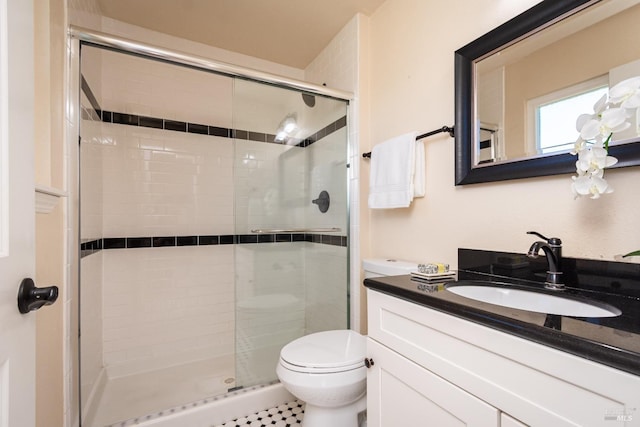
<point x="325" y="352"/>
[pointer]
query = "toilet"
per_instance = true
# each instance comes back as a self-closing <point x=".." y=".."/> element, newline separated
<point x="326" y="369"/>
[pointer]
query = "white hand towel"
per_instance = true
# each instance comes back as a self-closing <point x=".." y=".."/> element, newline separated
<point x="391" y="180"/>
<point x="419" y="174"/>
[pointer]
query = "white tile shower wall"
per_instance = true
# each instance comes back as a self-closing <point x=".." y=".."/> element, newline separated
<point x="91" y="345"/>
<point x="326" y="269"/>
<point x="91" y="342"/>
<point x="270" y="312"/>
<point x="91" y="181"/>
<point x="270" y="185"/>
<point x="328" y="172"/>
<point x="262" y="108"/>
<point x="326" y="280"/>
<point x="151" y="88"/>
<point x="164" y="183"/>
<point x="91" y="69"/>
<point x="336" y="65"/>
<point x="167" y="306"/>
<point x="274" y="268"/>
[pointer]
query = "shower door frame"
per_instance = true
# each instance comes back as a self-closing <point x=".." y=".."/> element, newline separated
<point x="80" y="36"/>
<point x="150" y="51"/>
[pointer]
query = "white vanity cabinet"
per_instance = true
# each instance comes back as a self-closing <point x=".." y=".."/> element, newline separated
<point x="402" y="393"/>
<point x="433" y="369"/>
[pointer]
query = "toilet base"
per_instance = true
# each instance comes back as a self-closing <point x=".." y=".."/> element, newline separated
<point x="343" y="416"/>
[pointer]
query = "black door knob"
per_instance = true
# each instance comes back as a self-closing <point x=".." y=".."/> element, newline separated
<point x="31" y="298"/>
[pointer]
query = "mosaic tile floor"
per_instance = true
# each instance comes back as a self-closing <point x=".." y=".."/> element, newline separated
<point x="286" y="415"/>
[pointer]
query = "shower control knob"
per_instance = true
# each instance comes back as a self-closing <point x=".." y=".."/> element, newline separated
<point x="368" y="362"/>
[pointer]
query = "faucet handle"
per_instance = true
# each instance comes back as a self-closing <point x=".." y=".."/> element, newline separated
<point x="552" y="241"/>
<point x="538" y="234"/>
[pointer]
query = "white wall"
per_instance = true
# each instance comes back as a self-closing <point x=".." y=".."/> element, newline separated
<point x="412" y="72"/>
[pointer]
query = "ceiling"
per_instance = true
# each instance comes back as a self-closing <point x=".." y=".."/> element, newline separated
<point x="289" y="32"/>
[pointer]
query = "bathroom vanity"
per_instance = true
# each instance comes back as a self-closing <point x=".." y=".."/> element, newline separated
<point x="440" y="359"/>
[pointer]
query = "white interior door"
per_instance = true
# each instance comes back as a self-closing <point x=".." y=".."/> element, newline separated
<point x="17" y="212"/>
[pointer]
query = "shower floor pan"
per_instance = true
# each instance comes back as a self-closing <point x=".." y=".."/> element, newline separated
<point x="135" y="396"/>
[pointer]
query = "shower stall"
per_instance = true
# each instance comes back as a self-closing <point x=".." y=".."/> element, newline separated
<point x="213" y="226"/>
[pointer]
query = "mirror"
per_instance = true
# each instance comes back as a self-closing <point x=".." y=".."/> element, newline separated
<point x="510" y="81"/>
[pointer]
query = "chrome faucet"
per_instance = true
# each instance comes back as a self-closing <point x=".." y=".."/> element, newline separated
<point x="552" y="248"/>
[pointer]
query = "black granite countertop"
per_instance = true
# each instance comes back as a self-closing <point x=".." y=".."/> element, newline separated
<point x="612" y="341"/>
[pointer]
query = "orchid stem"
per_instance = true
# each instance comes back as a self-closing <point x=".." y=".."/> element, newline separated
<point x="606" y="142"/>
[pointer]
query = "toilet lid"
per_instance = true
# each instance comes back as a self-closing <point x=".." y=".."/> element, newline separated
<point x="329" y="349"/>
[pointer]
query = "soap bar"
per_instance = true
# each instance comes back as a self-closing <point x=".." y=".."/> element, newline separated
<point x="433" y="268"/>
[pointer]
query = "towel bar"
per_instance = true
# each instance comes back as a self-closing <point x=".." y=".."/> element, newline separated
<point x="424" y="135"/>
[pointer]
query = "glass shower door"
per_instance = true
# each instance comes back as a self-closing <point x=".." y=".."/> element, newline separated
<point x="291" y="217"/>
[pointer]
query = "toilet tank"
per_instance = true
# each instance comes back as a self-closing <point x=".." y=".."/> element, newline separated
<point x="387" y="267"/>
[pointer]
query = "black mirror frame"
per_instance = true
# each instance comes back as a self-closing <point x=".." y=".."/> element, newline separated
<point x="538" y="16"/>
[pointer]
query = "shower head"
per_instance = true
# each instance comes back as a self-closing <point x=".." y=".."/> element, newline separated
<point x="309" y="100"/>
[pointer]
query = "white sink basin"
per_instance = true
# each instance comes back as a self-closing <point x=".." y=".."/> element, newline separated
<point x="531" y="300"/>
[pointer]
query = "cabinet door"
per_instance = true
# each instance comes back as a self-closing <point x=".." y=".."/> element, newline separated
<point x="507" y="421"/>
<point x="401" y="393"/>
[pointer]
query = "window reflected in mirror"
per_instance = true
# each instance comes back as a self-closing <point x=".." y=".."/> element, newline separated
<point x="554" y="115"/>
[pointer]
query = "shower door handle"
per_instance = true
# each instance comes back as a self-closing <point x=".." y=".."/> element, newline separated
<point x="31" y="298"/>
<point x="296" y="230"/>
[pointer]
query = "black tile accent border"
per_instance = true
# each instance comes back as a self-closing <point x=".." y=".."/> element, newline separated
<point x="164" y="241"/>
<point x="218" y="131"/>
<point x="114" y="243"/>
<point x="247" y="238"/>
<point x="208" y="240"/>
<point x="91" y="246"/>
<point x="138" y="242"/>
<point x="126" y="119"/>
<point x="150" y="122"/>
<point x="202" y="129"/>
<point x="186" y="240"/>
<point x="174" y="125"/>
<point x="180" y="126"/>
<point x="196" y="128"/>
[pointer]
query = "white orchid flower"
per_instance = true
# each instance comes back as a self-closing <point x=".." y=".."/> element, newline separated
<point x="609" y="121"/>
<point x="598" y="108"/>
<point x="578" y="146"/>
<point x="593" y="160"/>
<point x="610" y="114"/>
<point x="626" y="93"/>
<point x="589" y="185"/>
